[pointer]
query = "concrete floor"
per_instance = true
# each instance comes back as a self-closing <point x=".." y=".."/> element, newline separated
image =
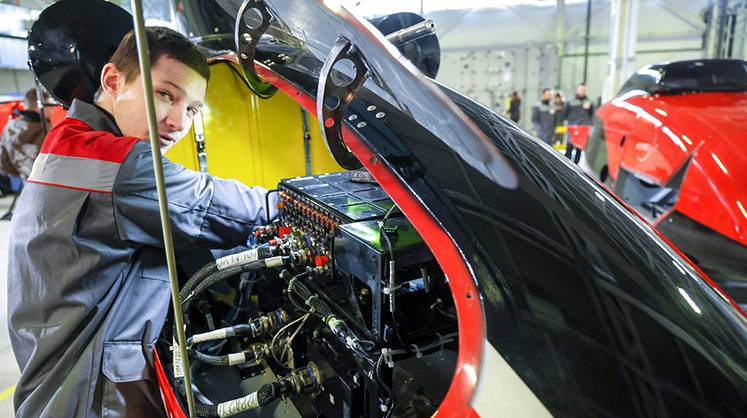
<point x="8" y="368"/>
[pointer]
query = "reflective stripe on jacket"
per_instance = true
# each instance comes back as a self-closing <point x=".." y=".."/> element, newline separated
<point x="88" y="288"/>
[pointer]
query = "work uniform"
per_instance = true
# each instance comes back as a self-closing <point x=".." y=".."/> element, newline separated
<point x="578" y="114"/>
<point x="543" y="120"/>
<point x="88" y="287"/>
<point x="21" y="139"/>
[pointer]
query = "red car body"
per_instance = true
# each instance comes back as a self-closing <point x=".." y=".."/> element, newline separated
<point x="692" y="143"/>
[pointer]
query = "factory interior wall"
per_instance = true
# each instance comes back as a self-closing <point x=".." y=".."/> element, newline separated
<point x="488" y="53"/>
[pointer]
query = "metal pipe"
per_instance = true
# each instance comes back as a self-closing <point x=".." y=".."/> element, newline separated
<point x="586" y="40"/>
<point x="306" y="140"/>
<point x="412" y="33"/>
<point x="143" y="53"/>
<point x="40" y="105"/>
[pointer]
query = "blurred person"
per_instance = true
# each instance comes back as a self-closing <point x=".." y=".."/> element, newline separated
<point x="543" y="117"/>
<point x="578" y="114"/>
<point x="514" y="107"/>
<point x="559" y="103"/>
<point x="23" y="136"/>
<point x="20" y="141"/>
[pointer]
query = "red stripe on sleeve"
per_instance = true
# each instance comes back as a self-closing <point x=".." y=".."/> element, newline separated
<point x="74" y="138"/>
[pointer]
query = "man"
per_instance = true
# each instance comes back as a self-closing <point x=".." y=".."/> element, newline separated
<point x="22" y="137"/>
<point x="543" y="117"/>
<point x="514" y="107"/>
<point x="578" y="114"/>
<point x="88" y="285"/>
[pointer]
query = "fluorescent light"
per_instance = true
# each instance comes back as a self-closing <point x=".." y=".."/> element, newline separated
<point x="378" y="7"/>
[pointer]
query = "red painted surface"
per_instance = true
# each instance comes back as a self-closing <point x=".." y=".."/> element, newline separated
<point x="662" y="132"/>
<point x="173" y="410"/>
<point x="5" y="111"/>
<point x="578" y="135"/>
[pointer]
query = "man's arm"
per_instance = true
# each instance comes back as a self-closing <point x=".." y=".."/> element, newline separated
<point x="204" y="210"/>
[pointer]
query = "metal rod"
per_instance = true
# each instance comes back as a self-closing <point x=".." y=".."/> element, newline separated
<point x="144" y="58"/>
<point x="40" y="105"/>
<point x="306" y="140"/>
<point x="411" y="33"/>
<point x="586" y="40"/>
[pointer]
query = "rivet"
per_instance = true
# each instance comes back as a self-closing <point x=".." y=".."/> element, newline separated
<point x="361" y="124"/>
<point x="352" y="117"/>
<point x="244" y="56"/>
<point x="371" y="108"/>
<point x="246" y="38"/>
<point x="380" y="115"/>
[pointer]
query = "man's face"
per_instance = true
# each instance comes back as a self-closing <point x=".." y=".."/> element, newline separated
<point x="581" y="91"/>
<point x="547" y="95"/>
<point x="178" y="93"/>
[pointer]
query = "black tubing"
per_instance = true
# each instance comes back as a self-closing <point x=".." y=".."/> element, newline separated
<point x="201" y="410"/>
<point x="220" y="360"/>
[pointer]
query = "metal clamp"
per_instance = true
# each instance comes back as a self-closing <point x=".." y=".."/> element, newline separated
<point x="247" y="39"/>
<point x="332" y="100"/>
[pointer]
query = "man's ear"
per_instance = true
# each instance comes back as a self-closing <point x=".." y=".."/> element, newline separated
<point x="111" y="80"/>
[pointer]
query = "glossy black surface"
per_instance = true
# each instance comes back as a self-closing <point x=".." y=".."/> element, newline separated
<point x="595" y="312"/>
<point x="424" y="53"/>
<point x="63" y="55"/>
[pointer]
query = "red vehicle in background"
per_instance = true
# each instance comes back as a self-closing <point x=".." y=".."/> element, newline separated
<point x="674" y="146"/>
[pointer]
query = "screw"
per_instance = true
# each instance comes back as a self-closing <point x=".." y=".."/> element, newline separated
<point x="380" y="115"/>
<point x="371" y="108"/>
<point x="361" y="124"/>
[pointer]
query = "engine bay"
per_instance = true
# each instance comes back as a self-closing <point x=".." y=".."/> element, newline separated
<point x="337" y="309"/>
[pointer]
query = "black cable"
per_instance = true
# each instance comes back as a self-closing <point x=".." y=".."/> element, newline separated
<point x="339" y="309"/>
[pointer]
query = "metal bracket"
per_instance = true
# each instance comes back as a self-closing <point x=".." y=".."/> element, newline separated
<point x="247" y="38"/>
<point x="332" y="100"/>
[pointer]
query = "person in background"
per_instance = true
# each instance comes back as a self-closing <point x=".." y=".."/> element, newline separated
<point x="514" y="107"/>
<point x="22" y="137"/>
<point x="559" y="103"/>
<point x="543" y="117"/>
<point x="578" y="114"/>
<point x="20" y="141"/>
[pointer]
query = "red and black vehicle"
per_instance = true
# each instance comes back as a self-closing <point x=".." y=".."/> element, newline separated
<point x="673" y="144"/>
<point x="460" y="268"/>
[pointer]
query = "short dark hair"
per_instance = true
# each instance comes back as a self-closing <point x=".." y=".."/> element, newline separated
<point x="162" y="42"/>
<point x="546" y="89"/>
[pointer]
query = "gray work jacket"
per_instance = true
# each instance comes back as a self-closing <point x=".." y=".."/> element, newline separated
<point x="88" y="289"/>
<point x="543" y="121"/>
<point x="578" y="111"/>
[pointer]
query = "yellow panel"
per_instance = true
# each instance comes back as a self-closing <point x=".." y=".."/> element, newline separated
<point x="185" y="152"/>
<point x="249" y="139"/>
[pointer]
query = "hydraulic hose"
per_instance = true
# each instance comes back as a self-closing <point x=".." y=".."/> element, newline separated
<point x="227" y="262"/>
<point x="303" y="380"/>
<point x="257" y="352"/>
<point x="268" y="322"/>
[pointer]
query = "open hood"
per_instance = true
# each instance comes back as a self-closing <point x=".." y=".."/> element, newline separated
<point x="294" y="47"/>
